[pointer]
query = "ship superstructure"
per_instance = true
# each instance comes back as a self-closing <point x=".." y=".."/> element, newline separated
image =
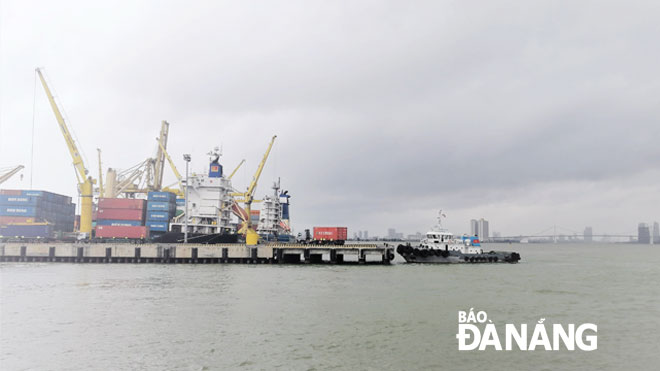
<point x="274" y="215"/>
<point x="209" y="201"/>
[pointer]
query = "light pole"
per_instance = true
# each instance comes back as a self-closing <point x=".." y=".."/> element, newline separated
<point x="186" y="158"/>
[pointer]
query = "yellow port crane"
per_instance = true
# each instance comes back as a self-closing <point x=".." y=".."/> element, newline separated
<point x="85" y="182"/>
<point x="5" y="174"/>
<point x="251" y="236"/>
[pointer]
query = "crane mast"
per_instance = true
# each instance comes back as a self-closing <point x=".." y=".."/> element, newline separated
<point x="85" y="182"/>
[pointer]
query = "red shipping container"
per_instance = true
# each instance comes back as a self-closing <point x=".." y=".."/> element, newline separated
<point x="120" y="214"/>
<point x="112" y="231"/>
<point x="121" y="203"/>
<point x="330" y="233"/>
<point x="4" y="220"/>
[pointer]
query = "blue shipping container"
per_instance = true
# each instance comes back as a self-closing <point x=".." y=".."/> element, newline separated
<point x="26" y="230"/>
<point x="180" y="201"/>
<point x="158" y="216"/>
<point x="161" y="196"/>
<point x="157" y="226"/>
<point x="48" y="196"/>
<point x="19" y="211"/>
<point x="120" y="223"/>
<point x="32" y="193"/>
<point x="7" y="200"/>
<point x="160" y="206"/>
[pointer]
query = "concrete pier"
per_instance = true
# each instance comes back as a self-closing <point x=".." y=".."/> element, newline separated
<point x="105" y="253"/>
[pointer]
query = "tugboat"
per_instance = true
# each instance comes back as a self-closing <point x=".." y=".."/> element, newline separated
<point x="440" y="246"/>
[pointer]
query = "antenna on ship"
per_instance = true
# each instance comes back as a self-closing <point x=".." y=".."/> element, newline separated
<point x="440" y="216"/>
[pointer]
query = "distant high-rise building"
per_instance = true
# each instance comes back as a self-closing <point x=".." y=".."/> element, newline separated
<point x="656" y="233"/>
<point x="365" y="235"/>
<point x="479" y="228"/>
<point x="588" y="234"/>
<point x="482" y="231"/>
<point x="360" y="234"/>
<point x="643" y="233"/>
<point x="391" y="233"/>
<point x="474" y="227"/>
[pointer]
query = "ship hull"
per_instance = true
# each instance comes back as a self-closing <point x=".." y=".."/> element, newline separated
<point x="430" y="256"/>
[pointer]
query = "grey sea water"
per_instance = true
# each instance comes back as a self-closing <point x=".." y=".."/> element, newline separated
<point x="399" y="317"/>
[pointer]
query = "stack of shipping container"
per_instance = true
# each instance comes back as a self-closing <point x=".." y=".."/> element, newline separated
<point x="161" y="208"/>
<point x="28" y="213"/>
<point x="121" y="218"/>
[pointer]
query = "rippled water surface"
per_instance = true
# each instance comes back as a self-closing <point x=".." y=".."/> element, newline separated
<point x="399" y="317"/>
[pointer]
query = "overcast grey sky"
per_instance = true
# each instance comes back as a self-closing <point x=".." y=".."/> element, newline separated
<point x="527" y="113"/>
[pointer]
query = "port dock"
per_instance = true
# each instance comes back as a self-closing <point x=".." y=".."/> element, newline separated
<point x="107" y="253"/>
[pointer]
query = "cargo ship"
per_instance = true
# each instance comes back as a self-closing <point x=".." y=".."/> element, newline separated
<point x="441" y="247"/>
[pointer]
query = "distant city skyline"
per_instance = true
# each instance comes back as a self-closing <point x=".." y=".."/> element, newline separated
<point x="587" y="233"/>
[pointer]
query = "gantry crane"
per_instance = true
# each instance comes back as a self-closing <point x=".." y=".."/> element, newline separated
<point x="251" y="236"/>
<point x="5" y="174"/>
<point x="85" y="182"/>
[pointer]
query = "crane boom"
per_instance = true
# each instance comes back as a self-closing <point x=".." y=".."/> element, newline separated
<point x="5" y="176"/>
<point x="160" y="156"/>
<point x="255" y="179"/>
<point x="71" y="144"/>
<point x="85" y="182"/>
<point x="235" y="170"/>
<point x="174" y="170"/>
<point x="101" y="190"/>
